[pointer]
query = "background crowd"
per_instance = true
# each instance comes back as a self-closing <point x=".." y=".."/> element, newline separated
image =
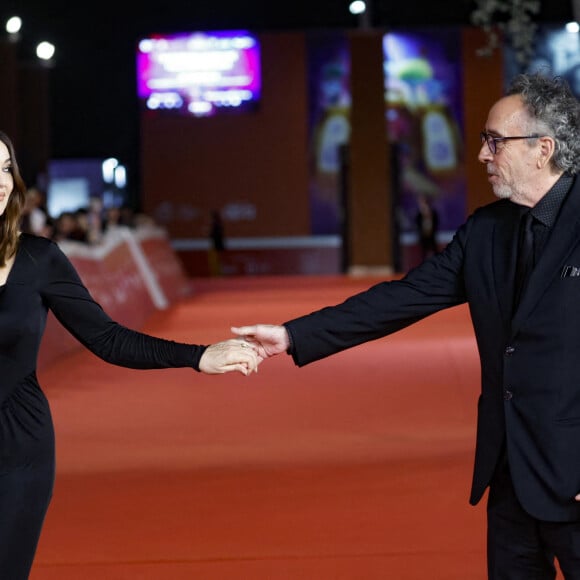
<point x="86" y="224"/>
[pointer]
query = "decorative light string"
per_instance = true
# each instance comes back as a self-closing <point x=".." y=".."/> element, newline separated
<point x="512" y="19"/>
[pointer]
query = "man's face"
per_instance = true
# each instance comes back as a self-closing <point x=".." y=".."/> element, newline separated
<point x="512" y="169"/>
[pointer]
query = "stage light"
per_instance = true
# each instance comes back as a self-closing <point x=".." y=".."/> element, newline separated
<point x="357" y="7"/>
<point x="45" y="50"/>
<point x="108" y="168"/>
<point x="13" y="25"/>
<point x="120" y="176"/>
<point x="362" y="9"/>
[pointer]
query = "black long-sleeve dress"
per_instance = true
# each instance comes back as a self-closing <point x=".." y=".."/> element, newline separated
<point x="42" y="278"/>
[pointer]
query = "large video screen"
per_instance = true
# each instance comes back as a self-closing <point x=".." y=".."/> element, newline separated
<point x="199" y="73"/>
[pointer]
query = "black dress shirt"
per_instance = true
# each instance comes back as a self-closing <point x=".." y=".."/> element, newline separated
<point x="545" y="213"/>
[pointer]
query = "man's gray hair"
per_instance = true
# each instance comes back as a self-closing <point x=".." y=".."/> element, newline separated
<point x="554" y="111"/>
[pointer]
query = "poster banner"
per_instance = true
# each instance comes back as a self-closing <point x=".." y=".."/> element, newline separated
<point x="424" y="123"/>
<point x="329" y="126"/>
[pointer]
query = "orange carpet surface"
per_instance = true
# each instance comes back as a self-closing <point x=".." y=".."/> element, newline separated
<point x="354" y="467"/>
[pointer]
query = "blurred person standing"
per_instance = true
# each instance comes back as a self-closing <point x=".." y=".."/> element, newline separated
<point x="67" y="227"/>
<point x="127" y="216"/>
<point x="95" y="219"/>
<point x="35" y="218"/>
<point x="82" y="229"/>
<point x="111" y="218"/>
<point x="217" y="241"/>
<point x="427" y="222"/>
<point x="37" y="277"/>
<point x="116" y="216"/>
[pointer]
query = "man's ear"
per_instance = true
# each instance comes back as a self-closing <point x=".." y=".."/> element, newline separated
<point x="547" y="147"/>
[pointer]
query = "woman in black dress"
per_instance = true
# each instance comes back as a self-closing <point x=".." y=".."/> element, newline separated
<point x="35" y="277"/>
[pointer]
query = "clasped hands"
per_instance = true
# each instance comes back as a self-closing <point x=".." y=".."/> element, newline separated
<point x="244" y="354"/>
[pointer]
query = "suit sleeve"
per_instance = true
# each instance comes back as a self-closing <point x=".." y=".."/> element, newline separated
<point x="384" y="308"/>
<point x="67" y="297"/>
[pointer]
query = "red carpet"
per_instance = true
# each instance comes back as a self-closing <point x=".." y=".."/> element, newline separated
<point x="355" y="467"/>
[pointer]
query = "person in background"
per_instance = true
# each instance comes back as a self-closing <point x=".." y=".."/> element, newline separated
<point x="217" y="243"/>
<point x="127" y="217"/>
<point x="516" y="263"/>
<point x="68" y="228"/>
<point x="35" y="218"/>
<point x="112" y="218"/>
<point x="35" y="277"/>
<point x="95" y="220"/>
<point x="81" y="232"/>
<point x="427" y="222"/>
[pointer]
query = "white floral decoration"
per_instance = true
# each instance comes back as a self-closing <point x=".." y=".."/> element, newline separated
<point x="514" y="19"/>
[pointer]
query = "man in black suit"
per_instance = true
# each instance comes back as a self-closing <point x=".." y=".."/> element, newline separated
<point x="516" y="262"/>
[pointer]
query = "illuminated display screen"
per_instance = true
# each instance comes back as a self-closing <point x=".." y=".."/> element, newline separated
<point x="199" y="73"/>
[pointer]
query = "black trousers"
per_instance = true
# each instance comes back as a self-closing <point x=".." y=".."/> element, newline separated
<point x="520" y="547"/>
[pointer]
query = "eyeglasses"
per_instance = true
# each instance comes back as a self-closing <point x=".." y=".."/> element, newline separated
<point x="493" y="141"/>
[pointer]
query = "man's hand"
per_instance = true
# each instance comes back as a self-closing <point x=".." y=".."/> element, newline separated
<point x="267" y="339"/>
<point x="230" y="355"/>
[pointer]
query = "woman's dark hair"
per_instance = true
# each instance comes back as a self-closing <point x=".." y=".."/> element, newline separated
<point x="12" y="216"/>
<point x="555" y="111"/>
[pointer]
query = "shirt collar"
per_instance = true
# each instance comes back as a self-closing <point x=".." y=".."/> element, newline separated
<point x="546" y="210"/>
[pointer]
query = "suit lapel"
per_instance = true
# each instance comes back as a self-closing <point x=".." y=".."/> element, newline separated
<point x="564" y="237"/>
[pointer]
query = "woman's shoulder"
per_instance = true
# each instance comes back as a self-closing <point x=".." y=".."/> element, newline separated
<point x="34" y="242"/>
<point x="38" y="247"/>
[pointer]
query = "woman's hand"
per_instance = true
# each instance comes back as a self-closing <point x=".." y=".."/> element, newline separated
<point x="229" y="355"/>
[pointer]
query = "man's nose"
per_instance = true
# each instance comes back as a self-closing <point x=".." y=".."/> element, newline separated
<point x="485" y="154"/>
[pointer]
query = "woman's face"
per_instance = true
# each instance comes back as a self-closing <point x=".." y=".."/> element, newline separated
<point x="6" y="179"/>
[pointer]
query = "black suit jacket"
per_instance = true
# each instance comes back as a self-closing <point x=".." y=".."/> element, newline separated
<point x="530" y="358"/>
